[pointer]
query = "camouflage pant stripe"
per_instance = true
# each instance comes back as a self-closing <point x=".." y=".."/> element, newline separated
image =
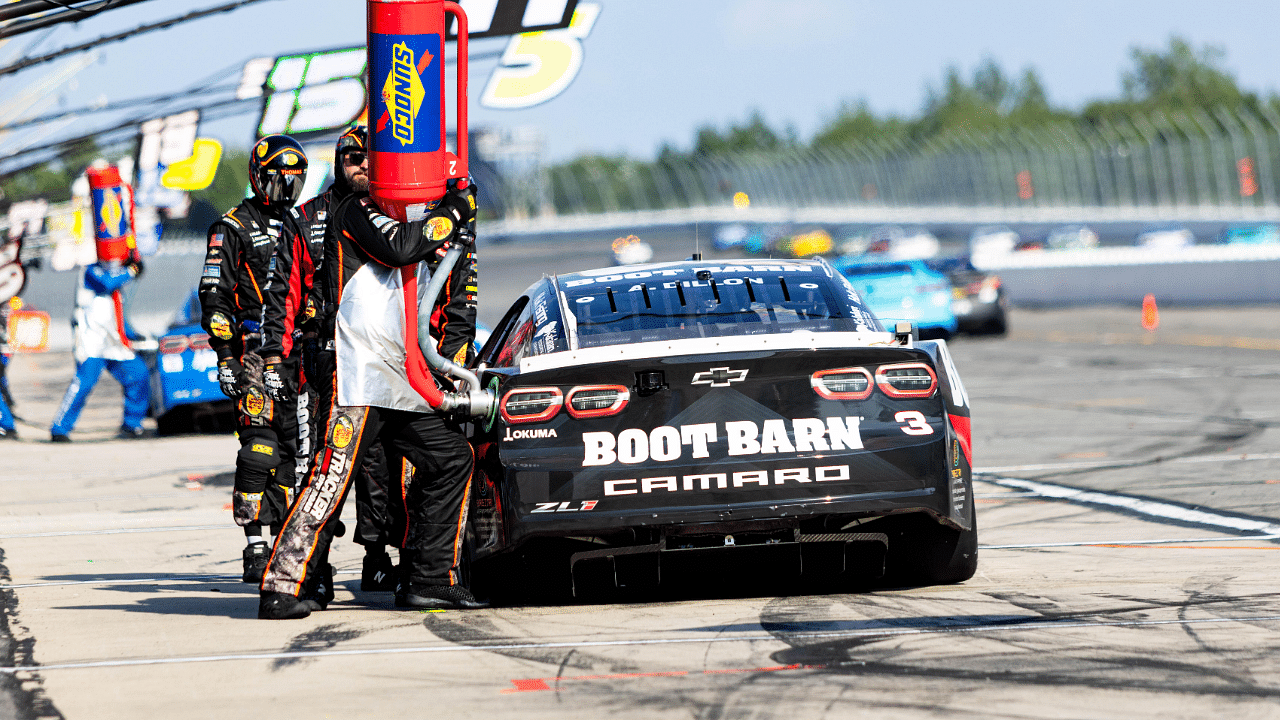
<point x="317" y="507"/>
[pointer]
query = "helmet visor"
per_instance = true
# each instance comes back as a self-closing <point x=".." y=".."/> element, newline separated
<point x="284" y="188"/>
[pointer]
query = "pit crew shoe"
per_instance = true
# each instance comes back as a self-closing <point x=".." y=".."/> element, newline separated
<point x="130" y="433"/>
<point x="59" y="438"/>
<point x="447" y="597"/>
<point x="321" y="594"/>
<point x="378" y="573"/>
<point x="279" y="606"/>
<point x="255" y="555"/>
<point x="8" y="434"/>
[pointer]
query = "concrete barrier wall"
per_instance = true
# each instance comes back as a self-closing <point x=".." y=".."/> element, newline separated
<point x="1223" y="274"/>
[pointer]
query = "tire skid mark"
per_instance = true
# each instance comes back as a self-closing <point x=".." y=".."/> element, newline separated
<point x="473" y="629"/>
<point x="26" y="688"/>
<point x="1035" y="661"/>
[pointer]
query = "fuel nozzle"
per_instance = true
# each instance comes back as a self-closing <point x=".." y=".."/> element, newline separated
<point x="470" y="399"/>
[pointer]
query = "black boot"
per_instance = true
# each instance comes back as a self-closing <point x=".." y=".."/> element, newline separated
<point x="448" y="597"/>
<point x="319" y="589"/>
<point x="255" y="558"/>
<point x="378" y="573"/>
<point x="279" y="606"/>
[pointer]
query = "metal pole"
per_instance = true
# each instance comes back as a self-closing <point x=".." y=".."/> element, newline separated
<point x="1220" y="158"/>
<point x="1199" y="157"/>
<point x="1177" y="166"/>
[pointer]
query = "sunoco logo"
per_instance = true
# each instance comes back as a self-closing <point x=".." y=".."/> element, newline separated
<point x="403" y="91"/>
<point x="112" y="217"/>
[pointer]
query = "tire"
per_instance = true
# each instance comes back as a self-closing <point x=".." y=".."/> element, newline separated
<point x="998" y="325"/>
<point x="175" y="422"/>
<point x="531" y="576"/>
<point x="925" y="552"/>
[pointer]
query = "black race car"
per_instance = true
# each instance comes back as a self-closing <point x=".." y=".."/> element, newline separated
<point x="683" y="415"/>
<point x="978" y="299"/>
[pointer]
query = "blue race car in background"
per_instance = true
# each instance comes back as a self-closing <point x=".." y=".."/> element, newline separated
<point x="903" y="290"/>
<point x="185" y="396"/>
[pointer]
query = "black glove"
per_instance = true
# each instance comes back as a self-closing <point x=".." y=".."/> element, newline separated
<point x="460" y="204"/>
<point x="136" y="267"/>
<point x="230" y="376"/>
<point x="273" y="378"/>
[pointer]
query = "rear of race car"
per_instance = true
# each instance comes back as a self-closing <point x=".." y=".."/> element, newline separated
<point x="845" y="455"/>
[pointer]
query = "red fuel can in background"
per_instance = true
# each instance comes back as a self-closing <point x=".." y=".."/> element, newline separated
<point x="409" y="166"/>
<point x="112" y="214"/>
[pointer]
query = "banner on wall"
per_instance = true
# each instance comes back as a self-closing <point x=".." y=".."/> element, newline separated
<point x="309" y="93"/>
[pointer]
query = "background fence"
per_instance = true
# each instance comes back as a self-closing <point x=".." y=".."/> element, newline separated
<point x="1223" y="158"/>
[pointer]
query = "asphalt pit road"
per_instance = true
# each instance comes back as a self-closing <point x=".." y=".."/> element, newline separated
<point x="933" y="622"/>
<point x="325" y="637"/>
<point x="473" y="628"/>
<point x="1136" y="650"/>
<point x="222" y="479"/>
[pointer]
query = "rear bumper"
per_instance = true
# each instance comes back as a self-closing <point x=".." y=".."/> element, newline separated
<point x="739" y="517"/>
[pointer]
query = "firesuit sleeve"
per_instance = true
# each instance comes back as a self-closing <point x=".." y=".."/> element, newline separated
<point x="457" y="312"/>
<point x="392" y="243"/>
<point x="288" y="284"/>
<point x="218" y="285"/>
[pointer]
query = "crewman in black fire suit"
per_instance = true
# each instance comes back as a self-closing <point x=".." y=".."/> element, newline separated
<point x="236" y="268"/>
<point x="293" y="314"/>
<point x="370" y="259"/>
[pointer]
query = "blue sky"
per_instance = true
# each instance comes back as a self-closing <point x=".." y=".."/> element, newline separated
<point x="657" y="69"/>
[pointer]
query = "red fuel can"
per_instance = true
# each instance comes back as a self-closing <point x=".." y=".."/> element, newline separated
<point x="112" y="214"/>
<point x="409" y="167"/>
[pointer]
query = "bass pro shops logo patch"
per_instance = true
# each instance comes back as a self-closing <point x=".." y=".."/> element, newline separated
<point x="439" y="228"/>
<point x="220" y="324"/>
<point x="256" y="404"/>
<point x="344" y="431"/>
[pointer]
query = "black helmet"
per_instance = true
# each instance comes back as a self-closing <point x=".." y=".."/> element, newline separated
<point x="355" y="139"/>
<point x="278" y="170"/>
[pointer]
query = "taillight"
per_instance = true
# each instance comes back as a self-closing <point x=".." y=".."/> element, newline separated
<point x="526" y="405"/>
<point x="199" y="341"/>
<point x="974" y="288"/>
<point x="842" y="383"/>
<point x="590" y="401"/>
<point x="906" y="380"/>
<point x="172" y="344"/>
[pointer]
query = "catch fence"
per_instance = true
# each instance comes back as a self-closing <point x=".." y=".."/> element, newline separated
<point x="1223" y="158"/>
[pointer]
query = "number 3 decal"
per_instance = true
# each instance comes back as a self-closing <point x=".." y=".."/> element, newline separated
<point x="537" y="66"/>
<point x="914" y="423"/>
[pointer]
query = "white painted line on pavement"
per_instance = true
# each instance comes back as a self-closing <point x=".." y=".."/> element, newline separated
<point x="1150" y="508"/>
<point x="123" y="531"/>
<point x="1095" y="543"/>
<point x="101" y="498"/>
<point x="1121" y="463"/>
<point x="145" y="581"/>
<point x="306" y="654"/>
<point x="134" y="581"/>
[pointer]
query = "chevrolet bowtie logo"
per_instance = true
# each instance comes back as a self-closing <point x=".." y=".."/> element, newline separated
<point x="719" y="377"/>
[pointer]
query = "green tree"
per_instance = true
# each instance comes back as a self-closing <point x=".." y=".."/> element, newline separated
<point x="754" y="135"/>
<point x="1177" y="78"/>
<point x="856" y="125"/>
<point x="52" y="180"/>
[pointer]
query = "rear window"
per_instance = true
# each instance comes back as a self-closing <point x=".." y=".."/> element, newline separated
<point x="896" y="269"/>
<point x="675" y="303"/>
